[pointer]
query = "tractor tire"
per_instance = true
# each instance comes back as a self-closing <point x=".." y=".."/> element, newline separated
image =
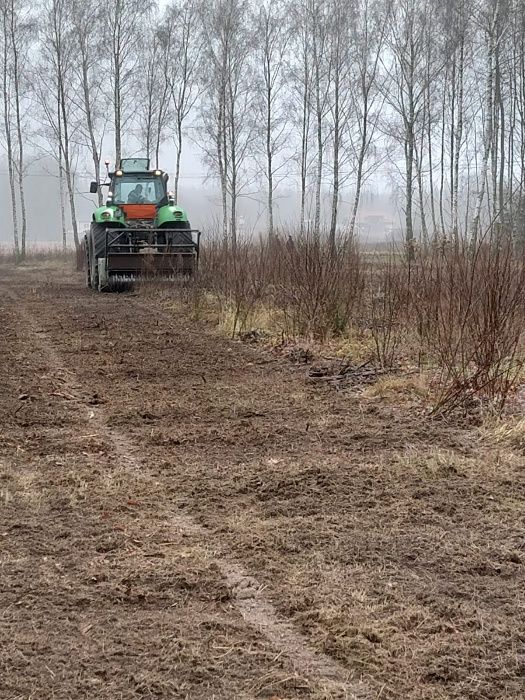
<point x="97" y="235"/>
<point x="93" y="273"/>
<point x="95" y="246"/>
<point x="98" y="275"/>
<point x="87" y="262"/>
<point x="92" y="270"/>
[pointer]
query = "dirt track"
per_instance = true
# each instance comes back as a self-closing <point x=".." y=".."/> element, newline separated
<point x="182" y="516"/>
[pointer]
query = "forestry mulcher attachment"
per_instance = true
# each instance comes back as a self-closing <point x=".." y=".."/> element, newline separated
<point x="140" y="233"/>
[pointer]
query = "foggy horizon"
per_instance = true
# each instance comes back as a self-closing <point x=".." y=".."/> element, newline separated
<point x="377" y="220"/>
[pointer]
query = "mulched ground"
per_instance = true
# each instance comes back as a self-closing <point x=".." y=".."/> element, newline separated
<point x="394" y="543"/>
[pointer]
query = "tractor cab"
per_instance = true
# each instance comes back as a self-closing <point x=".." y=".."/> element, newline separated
<point x="137" y="190"/>
<point x="131" y="188"/>
<point x="134" y="183"/>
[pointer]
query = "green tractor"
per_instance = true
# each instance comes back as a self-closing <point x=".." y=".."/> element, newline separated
<point x="140" y="233"/>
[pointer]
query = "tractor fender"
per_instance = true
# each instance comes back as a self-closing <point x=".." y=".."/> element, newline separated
<point x="171" y="214"/>
<point x="108" y="215"/>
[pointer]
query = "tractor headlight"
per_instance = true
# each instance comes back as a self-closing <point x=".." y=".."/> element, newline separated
<point x="107" y="214"/>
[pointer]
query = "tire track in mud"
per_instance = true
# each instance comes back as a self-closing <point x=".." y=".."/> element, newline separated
<point x="246" y="591"/>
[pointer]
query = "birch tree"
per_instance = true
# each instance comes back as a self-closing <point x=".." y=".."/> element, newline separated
<point x="317" y="17"/>
<point x="368" y="35"/>
<point x="273" y="43"/>
<point x="411" y="24"/>
<point x="301" y="78"/>
<point x="9" y="136"/>
<point x="182" y="43"/>
<point x="90" y="64"/>
<point x="339" y="81"/>
<point x="152" y="98"/>
<point x="228" y="101"/>
<point x="460" y="20"/>
<point x="493" y="23"/>
<point x="18" y="29"/>
<point x="125" y="21"/>
<point x="54" y="92"/>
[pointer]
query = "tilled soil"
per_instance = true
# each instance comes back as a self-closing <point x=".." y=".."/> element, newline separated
<point x="183" y="516"/>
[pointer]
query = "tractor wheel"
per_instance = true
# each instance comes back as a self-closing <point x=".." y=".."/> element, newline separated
<point x="97" y="235"/>
<point x="87" y="262"/>
<point x="93" y="272"/>
<point x="95" y="245"/>
<point x="92" y="264"/>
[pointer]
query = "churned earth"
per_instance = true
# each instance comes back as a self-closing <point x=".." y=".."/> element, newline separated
<point x="186" y="516"/>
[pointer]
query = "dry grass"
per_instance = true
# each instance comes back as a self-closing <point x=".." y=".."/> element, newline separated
<point x="37" y="253"/>
<point x="393" y="388"/>
<point x="509" y="433"/>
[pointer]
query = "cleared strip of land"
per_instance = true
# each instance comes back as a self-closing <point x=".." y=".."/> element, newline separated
<point x="184" y="516"/>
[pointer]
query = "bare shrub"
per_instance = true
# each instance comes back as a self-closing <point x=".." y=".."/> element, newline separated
<point x="468" y="305"/>
<point x="238" y="276"/>
<point x="448" y="307"/>
<point x="316" y="284"/>
<point x="312" y="285"/>
<point x="389" y="298"/>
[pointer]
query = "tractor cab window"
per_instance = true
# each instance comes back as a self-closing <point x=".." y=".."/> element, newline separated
<point x="133" y="189"/>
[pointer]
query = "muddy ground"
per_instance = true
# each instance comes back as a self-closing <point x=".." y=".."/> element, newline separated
<point x="185" y="516"/>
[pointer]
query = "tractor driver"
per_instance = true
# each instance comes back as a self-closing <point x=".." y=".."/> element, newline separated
<point x="135" y="196"/>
